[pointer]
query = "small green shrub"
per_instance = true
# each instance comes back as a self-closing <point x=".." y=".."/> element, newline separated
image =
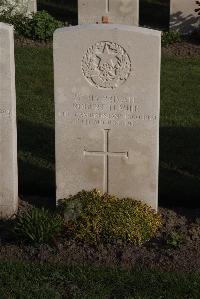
<point x="43" y="26"/>
<point x="38" y="226"/>
<point x="38" y="26"/>
<point x="175" y="239"/>
<point x="94" y="217"/>
<point x="171" y="37"/>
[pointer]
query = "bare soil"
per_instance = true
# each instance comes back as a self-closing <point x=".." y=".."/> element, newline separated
<point x="183" y="49"/>
<point x="163" y="251"/>
<point x="26" y="42"/>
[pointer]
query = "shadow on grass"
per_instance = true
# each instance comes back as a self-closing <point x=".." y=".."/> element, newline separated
<point x="179" y="178"/>
<point x="155" y="14"/>
<point x="183" y="24"/>
<point x="36" y="159"/>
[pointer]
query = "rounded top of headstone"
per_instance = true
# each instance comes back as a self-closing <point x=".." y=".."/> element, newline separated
<point x="6" y="26"/>
<point x="108" y="27"/>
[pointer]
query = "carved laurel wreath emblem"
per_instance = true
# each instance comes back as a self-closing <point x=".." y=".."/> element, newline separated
<point x="106" y="65"/>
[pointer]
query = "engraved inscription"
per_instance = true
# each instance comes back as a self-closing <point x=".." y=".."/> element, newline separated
<point x="110" y="111"/>
<point x="106" y="154"/>
<point x="5" y="112"/>
<point x="106" y="65"/>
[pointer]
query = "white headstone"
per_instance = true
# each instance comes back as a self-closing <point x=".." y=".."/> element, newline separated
<point x="32" y="6"/>
<point x="183" y="17"/>
<point x="8" y="132"/>
<point x="115" y="11"/>
<point x="107" y="95"/>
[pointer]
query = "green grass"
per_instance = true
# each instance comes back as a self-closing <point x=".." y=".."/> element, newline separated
<point x="179" y="128"/>
<point x="35" y="111"/>
<point x="26" y="280"/>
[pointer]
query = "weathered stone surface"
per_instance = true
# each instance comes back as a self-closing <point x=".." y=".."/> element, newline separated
<point x="115" y="11"/>
<point x="8" y="132"/>
<point x="183" y="17"/>
<point x="107" y="94"/>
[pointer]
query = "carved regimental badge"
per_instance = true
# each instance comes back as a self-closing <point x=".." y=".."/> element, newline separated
<point x="106" y="65"/>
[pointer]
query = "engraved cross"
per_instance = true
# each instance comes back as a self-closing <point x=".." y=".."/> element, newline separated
<point x="106" y="154"/>
<point x="107" y="6"/>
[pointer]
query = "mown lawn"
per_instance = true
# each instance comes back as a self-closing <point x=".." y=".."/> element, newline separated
<point x="180" y="131"/>
<point x="31" y="280"/>
<point x="179" y="180"/>
<point x="35" y="113"/>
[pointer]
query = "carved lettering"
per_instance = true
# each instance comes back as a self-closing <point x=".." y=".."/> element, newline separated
<point x="5" y="112"/>
<point x="113" y="111"/>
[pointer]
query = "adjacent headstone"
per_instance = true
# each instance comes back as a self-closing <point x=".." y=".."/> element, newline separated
<point x="32" y="6"/>
<point x="114" y="11"/>
<point x="107" y="94"/>
<point x="8" y="132"/>
<point x="183" y="17"/>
